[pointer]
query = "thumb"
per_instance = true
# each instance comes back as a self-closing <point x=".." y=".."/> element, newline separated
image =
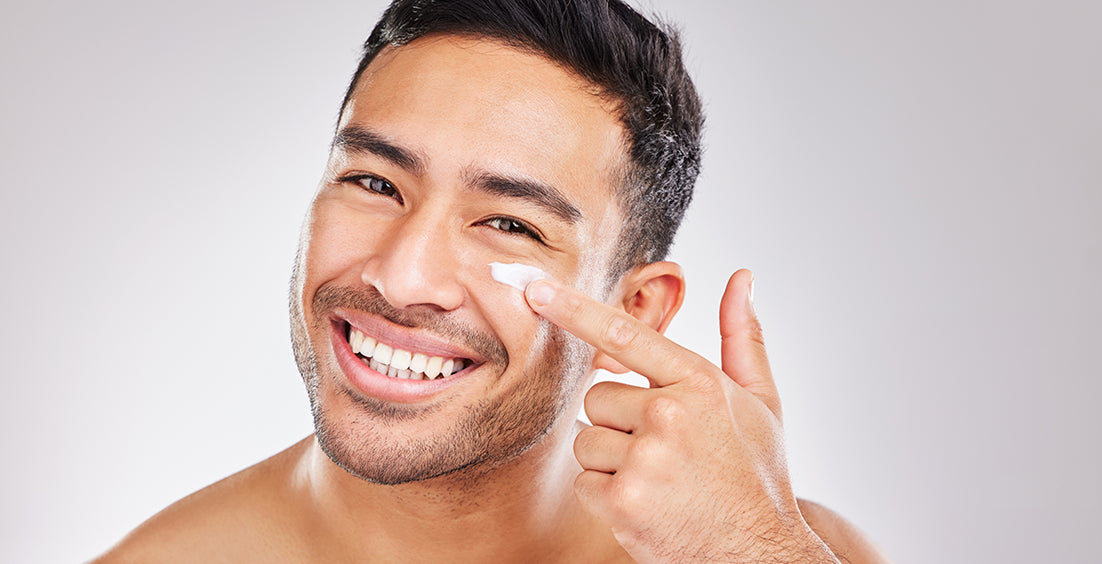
<point x="743" y="346"/>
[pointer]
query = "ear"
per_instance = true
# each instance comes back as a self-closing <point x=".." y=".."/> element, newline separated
<point x="651" y="293"/>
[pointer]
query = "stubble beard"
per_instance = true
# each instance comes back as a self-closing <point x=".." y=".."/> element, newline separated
<point x="367" y="441"/>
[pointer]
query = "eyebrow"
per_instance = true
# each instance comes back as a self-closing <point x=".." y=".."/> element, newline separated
<point x="361" y="140"/>
<point x="543" y="195"/>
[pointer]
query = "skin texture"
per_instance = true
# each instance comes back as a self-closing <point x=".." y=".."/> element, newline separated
<point x="493" y="466"/>
<point x="716" y="428"/>
<point x="427" y="254"/>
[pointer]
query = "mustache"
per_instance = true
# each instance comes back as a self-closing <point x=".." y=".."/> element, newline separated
<point x="445" y="325"/>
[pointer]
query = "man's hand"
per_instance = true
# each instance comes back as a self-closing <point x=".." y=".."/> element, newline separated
<point x="692" y="469"/>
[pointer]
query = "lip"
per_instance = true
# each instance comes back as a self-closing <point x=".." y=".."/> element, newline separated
<point x="381" y="386"/>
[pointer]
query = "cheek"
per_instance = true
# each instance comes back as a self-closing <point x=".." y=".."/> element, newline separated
<point x="503" y="307"/>
<point x="534" y="344"/>
<point x="336" y="243"/>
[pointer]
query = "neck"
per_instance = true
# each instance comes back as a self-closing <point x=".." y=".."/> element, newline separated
<point x="520" y="508"/>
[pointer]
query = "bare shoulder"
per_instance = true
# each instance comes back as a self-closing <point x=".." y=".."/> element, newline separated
<point x="232" y="520"/>
<point x="847" y="542"/>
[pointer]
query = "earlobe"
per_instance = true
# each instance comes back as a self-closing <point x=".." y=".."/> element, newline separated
<point x="651" y="293"/>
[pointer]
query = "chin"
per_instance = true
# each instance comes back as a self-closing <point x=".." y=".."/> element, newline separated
<point x="489" y="416"/>
<point x="392" y="443"/>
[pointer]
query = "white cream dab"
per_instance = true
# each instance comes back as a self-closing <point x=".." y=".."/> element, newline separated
<point x="515" y="274"/>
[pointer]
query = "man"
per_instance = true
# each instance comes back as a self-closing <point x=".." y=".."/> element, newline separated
<point x="560" y="135"/>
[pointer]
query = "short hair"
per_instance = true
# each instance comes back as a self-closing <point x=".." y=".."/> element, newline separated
<point x="634" y="63"/>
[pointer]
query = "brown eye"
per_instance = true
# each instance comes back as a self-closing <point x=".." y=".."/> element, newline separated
<point x="378" y="185"/>
<point x="513" y="226"/>
<point x="374" y="184"/>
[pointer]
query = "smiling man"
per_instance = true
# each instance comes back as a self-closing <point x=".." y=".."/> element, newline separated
<point x="561" y="135"/>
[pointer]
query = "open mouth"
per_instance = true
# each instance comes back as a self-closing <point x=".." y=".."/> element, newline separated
<point x="400" y="363"/>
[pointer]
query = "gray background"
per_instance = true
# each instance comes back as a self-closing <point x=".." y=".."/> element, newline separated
<point x="916" y="185"/>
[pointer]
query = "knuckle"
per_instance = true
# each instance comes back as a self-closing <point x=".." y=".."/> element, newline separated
<point x="581" y="442"/>
<point x="701" y="369"/>
<point x="627" y="494"/>
<point x="598" y="394"/>
<point x="589" y="402"/>
<point x="754" y="331"/>
<point x="619" y="334"/>
<point x="589" y="405"/>
<point x="584" y="441"/>
<point x="707" y="378"/>
<point x="585" y="487"/>
<point x="572" y="308"/>
<point x="601" y="391"/>
<point x="663" y="412"/>
<point x="645" y="452"/>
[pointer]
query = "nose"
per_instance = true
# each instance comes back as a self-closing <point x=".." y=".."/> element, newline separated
<point x="416" y="264"/>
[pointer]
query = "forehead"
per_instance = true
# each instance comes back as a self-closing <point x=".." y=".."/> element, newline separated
<point x="475" y="103"/>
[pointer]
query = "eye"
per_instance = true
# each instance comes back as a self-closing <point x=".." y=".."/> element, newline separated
<point x="512" y="226"/>
<point x="375" y="184"/>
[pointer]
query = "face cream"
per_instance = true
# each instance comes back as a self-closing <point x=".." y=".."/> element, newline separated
<point x="515" y="274"/>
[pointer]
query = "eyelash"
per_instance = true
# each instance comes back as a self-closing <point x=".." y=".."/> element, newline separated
<point x="521" y="228"/>
<point x="388" y="190"/>
<point x="516" y="227"/>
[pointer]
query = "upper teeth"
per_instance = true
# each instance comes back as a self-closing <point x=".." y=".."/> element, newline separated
<point x="399" y="363"/>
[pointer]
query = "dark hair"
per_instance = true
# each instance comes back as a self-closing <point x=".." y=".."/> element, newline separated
<point x="632" y="61"/>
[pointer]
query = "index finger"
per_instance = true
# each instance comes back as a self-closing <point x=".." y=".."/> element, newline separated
<point x="615" y="333"/>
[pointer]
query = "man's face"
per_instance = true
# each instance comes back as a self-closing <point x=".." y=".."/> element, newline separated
<point x="453" y="153"/>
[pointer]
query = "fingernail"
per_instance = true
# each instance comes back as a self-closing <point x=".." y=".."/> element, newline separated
<point x="540" y="293"/>
<point x="751" y="289"/>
